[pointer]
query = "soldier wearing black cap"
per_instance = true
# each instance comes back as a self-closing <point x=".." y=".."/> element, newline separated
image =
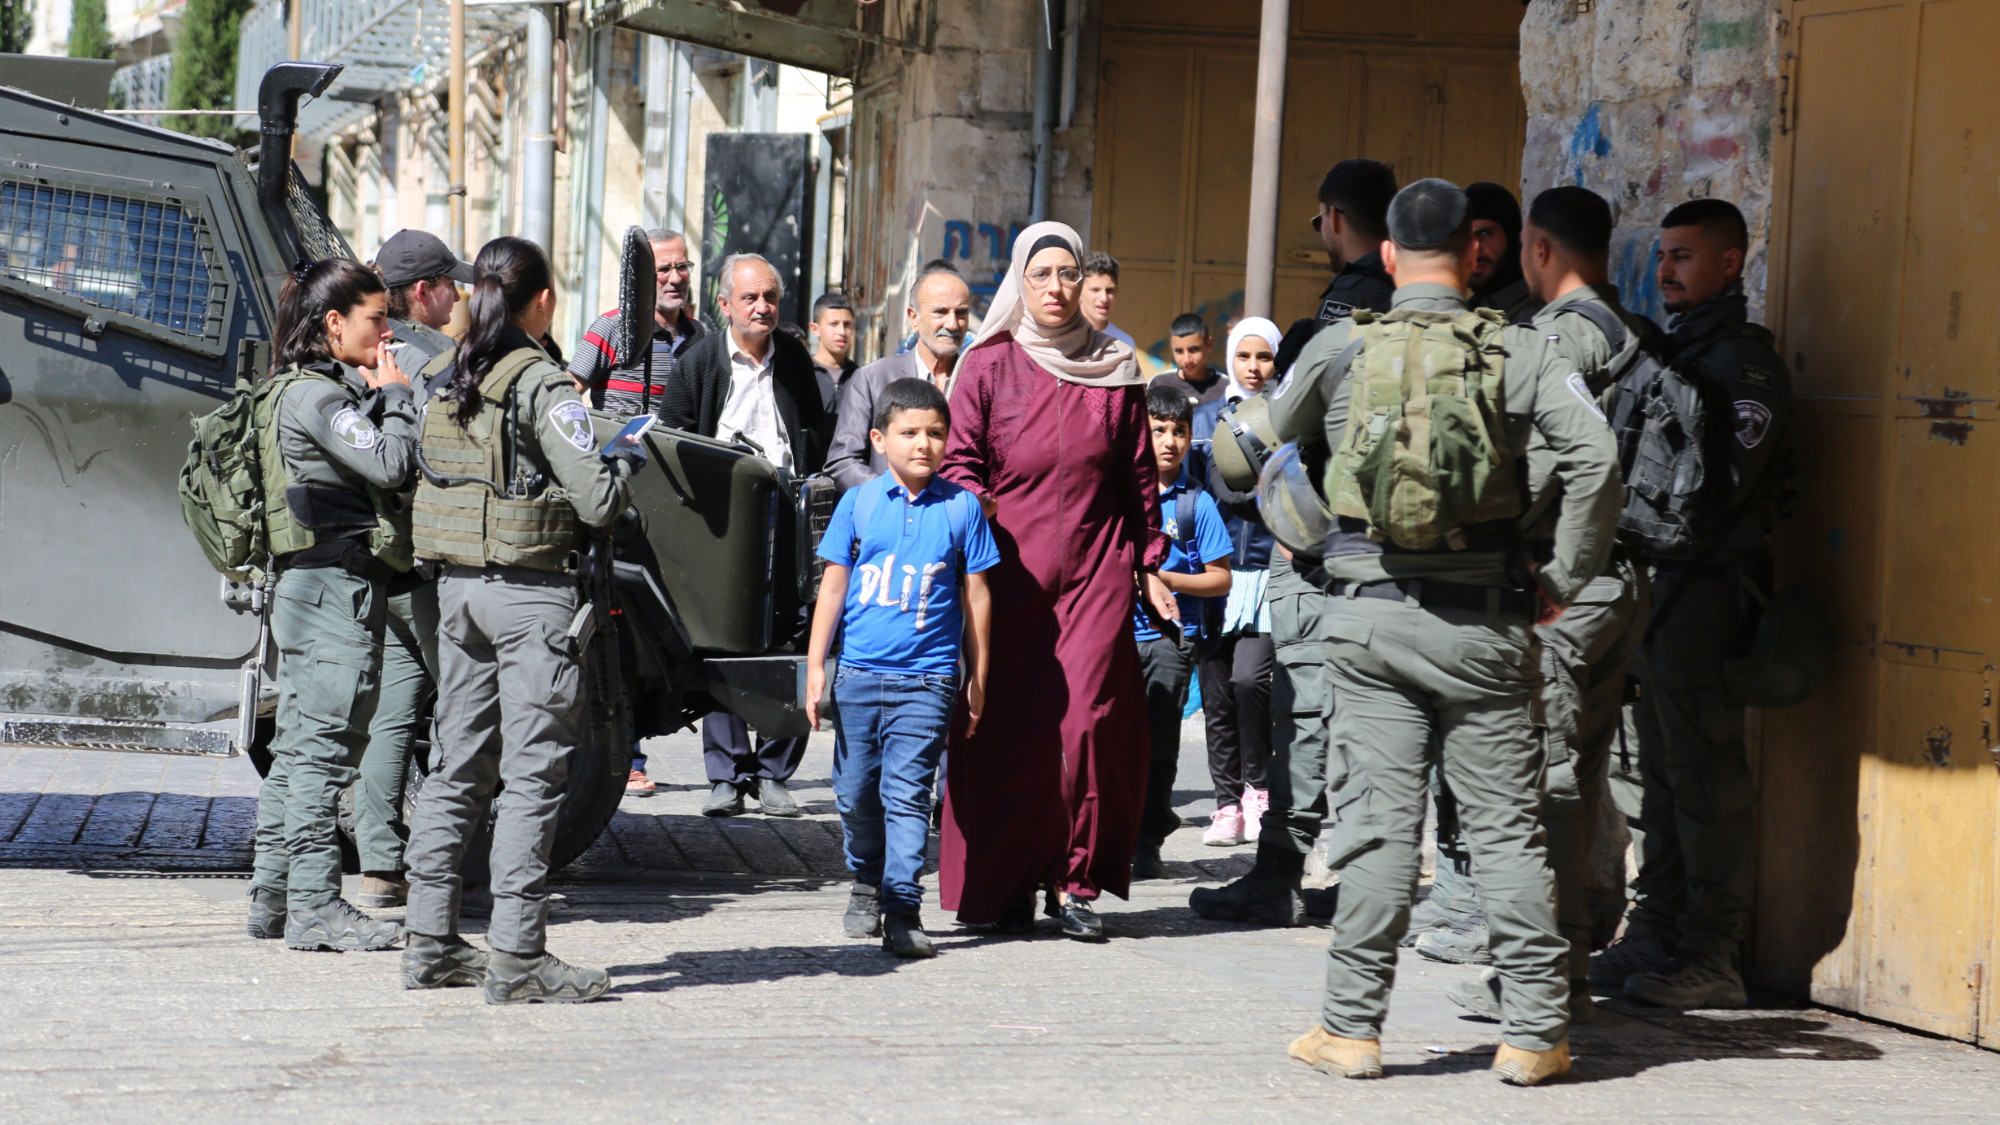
<point x="1496" y="232"/>
<point x="1431" y="642"/>
<point x="419" y="270"/>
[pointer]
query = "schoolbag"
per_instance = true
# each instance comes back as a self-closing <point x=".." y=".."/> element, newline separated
<point x="1668" y="432"/>
<point x="1426" y="449"/>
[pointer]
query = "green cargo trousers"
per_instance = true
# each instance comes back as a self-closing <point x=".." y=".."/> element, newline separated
<point x="1400" y="674"/>
<point x="1586" y="655"/>
<point x="1300" y="705"/>
<point x="327" y="624"/>
<point x="510" y="709"/>
<point x="1692" y="802"/>
<point x="409" y="665"/>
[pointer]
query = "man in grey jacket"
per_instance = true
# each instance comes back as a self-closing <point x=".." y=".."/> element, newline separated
<point x="940" y="309"/>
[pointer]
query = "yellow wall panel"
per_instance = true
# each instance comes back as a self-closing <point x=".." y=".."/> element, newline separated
<point x="1142" y="113"/>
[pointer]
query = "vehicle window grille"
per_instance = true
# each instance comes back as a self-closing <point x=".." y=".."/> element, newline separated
<point x="317" y="235"/>
<point x="145" y="256"/>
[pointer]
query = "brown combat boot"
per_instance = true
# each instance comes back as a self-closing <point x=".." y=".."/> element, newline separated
<point x="1519" y="1066"/>
<point x="1342" y="1058"/>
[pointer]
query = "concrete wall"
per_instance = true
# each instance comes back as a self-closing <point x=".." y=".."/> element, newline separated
<point x="1650" y="103"/>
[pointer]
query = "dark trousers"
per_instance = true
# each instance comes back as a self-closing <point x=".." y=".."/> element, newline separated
<point x="1236" y="707"/>
<point x="727" y="752"/>
<point x="1163" y="666"/>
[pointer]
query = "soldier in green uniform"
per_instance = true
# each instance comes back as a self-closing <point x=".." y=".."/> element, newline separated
<point x="329" y="478"/>
<point x="1353" y="221"/>
<point x="513" y="477"/>
<point x="1692" y="801"/>
<point x="419" y="272"/>
<point x="1429" y="627"/>
<point x="1586" y="652"/>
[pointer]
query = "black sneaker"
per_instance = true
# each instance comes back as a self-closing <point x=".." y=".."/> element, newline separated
<point x="1262" y="899"/>
<point x="864" y="911"/>
<point x="903" y="935"/>
<point x="1146" y="863"/>
<point x="546" y="978"/>
<point x="1079" y="921"/>
<point x="338" y="926"/>
<point x="724" y="800"/>
<point x="267" y="913"/>
<point x="774" y="799"/>
<point x="431" y="962"/>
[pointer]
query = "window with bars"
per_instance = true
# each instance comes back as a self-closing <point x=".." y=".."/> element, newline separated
<point x="147" y="257"/>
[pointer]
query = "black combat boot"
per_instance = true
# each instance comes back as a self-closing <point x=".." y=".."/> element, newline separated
<point x="864" y="911"/>
<point x="1267" y="896"/>
<point x="903" y="934"/>
<point x="267" y="913"/>
<point x="513" y="978"/>
<point x="1146" y="862"/>
<point x="441" y="962"/>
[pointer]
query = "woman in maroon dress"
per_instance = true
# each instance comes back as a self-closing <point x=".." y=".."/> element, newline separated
<point x="1049" y="429"/>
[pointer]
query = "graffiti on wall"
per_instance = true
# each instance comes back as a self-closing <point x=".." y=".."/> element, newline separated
<point x="962" y="237"/>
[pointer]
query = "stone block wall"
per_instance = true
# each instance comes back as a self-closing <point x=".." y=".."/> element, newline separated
<point x="964" y="173"/>
<point x="1650" y="103"/>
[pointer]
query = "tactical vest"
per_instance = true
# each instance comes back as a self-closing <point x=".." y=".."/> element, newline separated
<point x="390" y="539"/>
<point x="1427" y="450"/>
<point x="493" y="516"/>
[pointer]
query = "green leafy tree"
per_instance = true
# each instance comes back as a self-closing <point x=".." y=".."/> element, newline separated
<point x="17" y="22"/>
<point x="89" y="30"/>
<point x="204" y="72"/>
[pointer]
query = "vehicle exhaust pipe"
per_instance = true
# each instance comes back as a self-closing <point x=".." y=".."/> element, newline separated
<point x="278" y="116"/>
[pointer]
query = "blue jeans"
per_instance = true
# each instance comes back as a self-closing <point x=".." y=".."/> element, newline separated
<point x="889" y="733"/>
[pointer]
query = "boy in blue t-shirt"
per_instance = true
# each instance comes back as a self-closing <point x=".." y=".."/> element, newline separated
<point x="920" y="546"/>
<point x="1197" y="571"/>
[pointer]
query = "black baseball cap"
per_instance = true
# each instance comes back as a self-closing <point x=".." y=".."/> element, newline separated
<point x="418" y="255"/>
<point x="1426" y="214"/>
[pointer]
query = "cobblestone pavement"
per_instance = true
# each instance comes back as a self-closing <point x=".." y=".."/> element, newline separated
<point x="130" y="993"/>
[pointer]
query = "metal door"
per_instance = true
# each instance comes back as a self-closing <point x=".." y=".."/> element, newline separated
<point x="1876" y="869"/>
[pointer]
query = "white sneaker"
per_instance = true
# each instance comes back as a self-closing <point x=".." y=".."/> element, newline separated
<point x="1225" y="828"/>
<point x="1256" y="802"/>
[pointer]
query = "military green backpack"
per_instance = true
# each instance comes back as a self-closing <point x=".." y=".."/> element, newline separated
<point x="1426" y="449"/>
<point x="222" y="491"/>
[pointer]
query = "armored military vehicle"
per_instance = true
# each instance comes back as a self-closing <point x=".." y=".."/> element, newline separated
<point x="139" y="271"/>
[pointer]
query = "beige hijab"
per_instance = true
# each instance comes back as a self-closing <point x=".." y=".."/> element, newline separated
<point x="1074" y="353"/>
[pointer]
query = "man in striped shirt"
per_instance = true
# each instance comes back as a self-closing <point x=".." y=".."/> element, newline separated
<point x="618" y="384"/>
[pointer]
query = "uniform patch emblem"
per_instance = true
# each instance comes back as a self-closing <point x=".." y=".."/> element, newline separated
<point x="1753" y="422"/>
<point x="1756" y="377"/>
<point x="1331" y="310"/>
<point x="350" y="427"/>
<point x="572" y="420"/>
<point x="1581" y="390"/>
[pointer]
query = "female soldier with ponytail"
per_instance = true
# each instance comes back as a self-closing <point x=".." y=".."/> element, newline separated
<point x="512" y="479"/>
<point x="329" y="475"/>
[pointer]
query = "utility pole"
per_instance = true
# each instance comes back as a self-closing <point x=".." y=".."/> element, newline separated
<point x="455" y="130"/>
<point x="1261" y="254"/>
<point x="538" y="168"/>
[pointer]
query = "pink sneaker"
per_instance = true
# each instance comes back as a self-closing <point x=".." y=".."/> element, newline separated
<point x="1256" y="802"/>
<point x="1225" y="828"/>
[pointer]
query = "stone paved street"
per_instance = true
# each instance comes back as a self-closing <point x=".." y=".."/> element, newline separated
<point x="131" y="994"/>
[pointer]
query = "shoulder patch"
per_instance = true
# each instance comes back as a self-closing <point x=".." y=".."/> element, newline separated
<point x="1331" y="310"/>
<point x="1581" y="389"/>
<point x="350" y="427"/>
<point x="1753" y="423"/>
<point x="571" y="418"/>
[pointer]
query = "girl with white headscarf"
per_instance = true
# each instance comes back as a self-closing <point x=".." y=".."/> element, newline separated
<point x="1049" y="428"/>
<point x="1236" y="668"/>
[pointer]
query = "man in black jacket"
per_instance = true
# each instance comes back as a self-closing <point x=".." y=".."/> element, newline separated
<point x="749" y="381"/>
<point x="757" y="386"/>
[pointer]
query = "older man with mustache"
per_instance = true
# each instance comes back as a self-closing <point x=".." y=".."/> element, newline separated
<point x="940" y="309"/>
